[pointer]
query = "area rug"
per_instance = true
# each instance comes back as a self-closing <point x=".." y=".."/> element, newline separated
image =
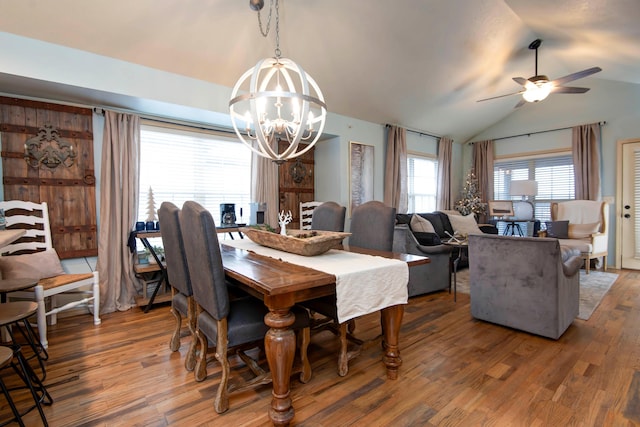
<point x="593" y="287"/>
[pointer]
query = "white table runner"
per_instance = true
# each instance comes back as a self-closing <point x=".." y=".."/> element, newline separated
<point x="364" y="283"/>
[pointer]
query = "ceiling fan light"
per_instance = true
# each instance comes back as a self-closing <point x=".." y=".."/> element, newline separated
<point x="537" y="91"/>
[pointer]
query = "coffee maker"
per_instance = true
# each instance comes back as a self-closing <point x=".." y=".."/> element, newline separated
<point x="227" y="214"/>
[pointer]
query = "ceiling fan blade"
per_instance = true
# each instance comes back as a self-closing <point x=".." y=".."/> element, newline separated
<point x="520" y="104"/>
<point x="500" y="96"/>
<point x="569" y="89"/>
<point x="520" y="80"/>
<point x="576" y="76"/>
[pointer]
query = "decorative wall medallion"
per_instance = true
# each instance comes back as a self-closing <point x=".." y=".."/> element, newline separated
<point x="48" y="149"/>
<point x="298" y="171"/>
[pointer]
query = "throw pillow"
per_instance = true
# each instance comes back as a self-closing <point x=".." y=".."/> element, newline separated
<point x="38" y="265"/>
<point x="427" y="239"/>
<point x="558" y="229"/>
<point x="580" y="231"/>
<point x="436" y="220"/>
<point x="419" y="224"/>
<point x="464" y="224"/>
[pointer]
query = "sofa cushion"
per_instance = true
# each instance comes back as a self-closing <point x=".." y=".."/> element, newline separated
<point x="437" y="220"/>
<point x="580" y="231"/>
<point x="558" y="229"/>
<point x="422" y="225"/>
<point x="427" y="239"/>
<point x="403" y="218"/>
<point x="464" y="224"/>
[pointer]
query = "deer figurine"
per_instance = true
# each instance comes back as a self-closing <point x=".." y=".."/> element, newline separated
<point x="283" y="220"/>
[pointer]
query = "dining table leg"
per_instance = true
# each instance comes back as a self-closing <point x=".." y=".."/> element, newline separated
<point x="391" y="323"/>
<point x="280" y="346"/>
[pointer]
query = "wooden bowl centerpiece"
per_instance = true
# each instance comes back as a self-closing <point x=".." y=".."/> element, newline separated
<point x="300" y="242"/>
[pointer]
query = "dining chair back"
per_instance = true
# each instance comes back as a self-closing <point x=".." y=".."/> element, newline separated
<point x="329" y="216"/>
<point x="33" y="256"/>
<point x="306" y="213"/>
<point x="224" y="322"/>
<point x="372" y="226"/>
<point x="182" y="302"/>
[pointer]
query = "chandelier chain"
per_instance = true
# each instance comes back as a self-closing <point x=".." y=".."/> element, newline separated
<point x="277" y="51"/>
<point x="264" y="32"/>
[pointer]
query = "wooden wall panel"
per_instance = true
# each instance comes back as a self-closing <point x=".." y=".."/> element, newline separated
<point x="69" y="191"/>
<point x="292" y="193"/>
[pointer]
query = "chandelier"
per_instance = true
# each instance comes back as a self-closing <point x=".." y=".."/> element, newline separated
<point x="277" y="101"/>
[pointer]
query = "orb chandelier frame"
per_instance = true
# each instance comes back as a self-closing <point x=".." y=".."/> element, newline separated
<point x="277" y="101"/>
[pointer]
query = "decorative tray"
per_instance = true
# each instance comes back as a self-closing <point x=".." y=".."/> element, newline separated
<point x="300" y="242"/>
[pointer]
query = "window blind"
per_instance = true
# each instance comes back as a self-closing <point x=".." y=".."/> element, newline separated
<point x="422" y="183"/>
<point x="180" y="165"/>
<point x="555" y="177"/>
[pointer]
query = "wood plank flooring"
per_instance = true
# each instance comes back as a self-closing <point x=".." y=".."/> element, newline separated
<point x="457" y="371"/>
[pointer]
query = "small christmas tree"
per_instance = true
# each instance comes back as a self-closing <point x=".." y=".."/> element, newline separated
<point x="151" y="206"/>
<point x="471" y="201"/>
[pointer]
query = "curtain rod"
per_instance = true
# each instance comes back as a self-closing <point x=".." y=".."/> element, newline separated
<point x="419" y="132"/>
<point x="167" y="120"/>
<point x="533" y="133"/>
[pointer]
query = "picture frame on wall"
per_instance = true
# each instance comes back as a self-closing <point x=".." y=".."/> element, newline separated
<point x="361" y="164"/>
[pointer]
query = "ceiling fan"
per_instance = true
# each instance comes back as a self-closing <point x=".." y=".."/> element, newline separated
<point x="539" y="86"/>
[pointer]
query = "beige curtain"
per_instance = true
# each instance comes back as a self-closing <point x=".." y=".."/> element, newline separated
<point x="586" y="161"/>
<point x="118" y="210"/>
<point x="395" y="177"/>
<point x="445" y="153"/>
<point x="264" y="186"/>
<point x="483" y="168"/>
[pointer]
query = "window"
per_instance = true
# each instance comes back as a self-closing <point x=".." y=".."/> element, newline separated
<point x="180" y="164"/>
<point x="554" y="176"/>
<point x="422" y="183"/>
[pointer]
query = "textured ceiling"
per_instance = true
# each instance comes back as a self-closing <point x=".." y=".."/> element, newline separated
<point x="418" y="63"/>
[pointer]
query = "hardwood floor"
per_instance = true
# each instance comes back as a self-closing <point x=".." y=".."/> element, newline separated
<point x="457" y="371"/>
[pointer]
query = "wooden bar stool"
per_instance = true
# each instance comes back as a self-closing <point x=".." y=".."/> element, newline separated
<point x="28" y="376"/>
<point x="16" y="315"/>
<point x="13" y="285"/>
<point x="6" y="356"/>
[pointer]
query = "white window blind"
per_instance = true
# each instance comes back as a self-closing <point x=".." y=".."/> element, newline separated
<point x="554" y="175"/>
<point x="422" y="183"/>
<point x="180" y="165"/>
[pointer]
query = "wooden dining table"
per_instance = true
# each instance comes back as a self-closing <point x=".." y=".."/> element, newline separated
<point x="281" y="285"/>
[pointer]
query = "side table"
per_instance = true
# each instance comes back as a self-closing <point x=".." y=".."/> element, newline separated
<point x="460" y="244"/>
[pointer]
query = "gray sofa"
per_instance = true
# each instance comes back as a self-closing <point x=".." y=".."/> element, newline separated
<point x="526" y="283"/>
<point x="436" y="275"/>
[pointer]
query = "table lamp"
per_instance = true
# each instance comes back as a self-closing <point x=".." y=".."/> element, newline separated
<point x="524" y="188"/>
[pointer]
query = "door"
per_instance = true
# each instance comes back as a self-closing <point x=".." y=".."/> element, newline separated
<point x="630" y="217"/>
<point x="296" y="184"/>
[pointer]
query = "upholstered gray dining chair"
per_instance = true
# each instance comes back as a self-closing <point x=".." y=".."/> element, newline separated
<point x="223" y="322"/>
<point x="372" y="226"/>
<point x="329" y="216"/>
<point x="182" y="302"/>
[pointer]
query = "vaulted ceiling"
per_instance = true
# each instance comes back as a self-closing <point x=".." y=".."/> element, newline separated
<point x="422" y="64"/>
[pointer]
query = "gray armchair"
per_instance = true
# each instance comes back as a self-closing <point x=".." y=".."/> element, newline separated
<point x="524" y="283"/>
<point x="425" y="278"/>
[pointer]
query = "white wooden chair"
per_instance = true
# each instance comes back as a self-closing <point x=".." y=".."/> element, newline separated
<point x="33" y="256"/>
<point x="306" y="213"/>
